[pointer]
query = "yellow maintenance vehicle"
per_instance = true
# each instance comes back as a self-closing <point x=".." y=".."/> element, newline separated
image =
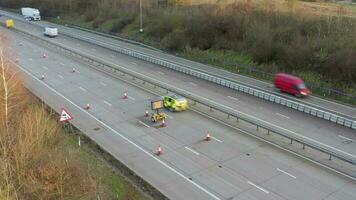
<point x="157" y="116"/>
<point x="9" y="23"/>
<point x="175" y="103"/>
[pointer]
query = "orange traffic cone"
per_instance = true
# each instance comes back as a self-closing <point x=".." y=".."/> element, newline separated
<point x="125" y="95"/>
<point x="42" y="77"/>
<point x="146" y="113"/>
<point x="44" y="55"/>
<point x="73" y="70"/>
<point x="17" y="60"/>
<point x="20" y="44"/>
<point x="208" y="137"/>
<point x="87" y="107"/>
<point x="164" y="123"/>
<point x="159" y="150"/>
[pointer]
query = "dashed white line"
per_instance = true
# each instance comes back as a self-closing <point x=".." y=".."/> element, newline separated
<point x="196" y="153"/>
<point x="84" y="90"/>
<point x="258" y="187"/>
<point x="286" y="173"/>
<point x="107" y="103"/>
<point x="103" y="84"/>
<point x="133" y="63"/>
<point x="216" y="139"/>
<point x="46" y="68"/>
<point x="131" y="98"/>
<point x="62" y="64"/>
<point x="30" y="59"/>
<point x="144" y="124"/>
<point x="234" y="98"/>
<point x="160" y="73"/>
<point x="112" y="55"/>
<point x="124" y="137"/>
<point x="60" y="76"/>
<point x="343" y="137"/>
<point x="170" y="117"/>
<point x="193" y="84"/>
<point x="279" y="114"/>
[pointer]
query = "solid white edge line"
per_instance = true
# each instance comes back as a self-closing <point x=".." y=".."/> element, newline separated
<point x="288" y="174"/>
<point x="214" y="138"/>
<point x="276" y="145"/>
<point x="122" y="136"/>
<point x="133" y="63"/>
<point x="258" y="187"/>
<point x="107" y="103"/>
<point x="234" y="98"/>
<point x="343" y="137"/>
<point x="131" y="98"/>
<point x="60" y="76"/>
<point x="193" y="84"/>
<point x="193" y="151"/>
<point x="141" y="122"/>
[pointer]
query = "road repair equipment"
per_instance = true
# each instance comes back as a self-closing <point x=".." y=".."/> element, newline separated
<point x="9" y="23"/>
<point x="157" y="115"/>
<point x="208" y="137"/>
<point x="159" y="151"/>
<point x="175" y="103"/>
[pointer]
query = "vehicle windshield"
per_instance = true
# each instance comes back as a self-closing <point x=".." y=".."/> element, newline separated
<point x="180" y="99"/>
<point x="301" y="86"/>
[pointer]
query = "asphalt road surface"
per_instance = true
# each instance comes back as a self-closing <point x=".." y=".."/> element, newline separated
<point x="230" y="166"/>
<point x="293" y="122"/>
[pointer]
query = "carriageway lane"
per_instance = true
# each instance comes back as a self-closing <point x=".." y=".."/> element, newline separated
<point x="347" y="110"/>
<point x="314" y="128"/>
<point x="232" y="165"/>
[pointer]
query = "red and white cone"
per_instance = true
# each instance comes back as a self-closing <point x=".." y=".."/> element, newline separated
<point x="146" y="113"/>
<point x="17" y="60"/>
<point x="163" y="123"/>
<point x="42" y="77"/>
<point x="159" y="151"/>
<point x="73" y="70"/>
<point x="44" y="55"/>
<point x="125" y="95"/>
<point x="21" y="44"/>
<point x="208" y="137"/>
<point x="87" y="106"/>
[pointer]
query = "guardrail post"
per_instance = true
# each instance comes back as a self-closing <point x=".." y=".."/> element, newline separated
<point x="167" y="91"/>
<point x="330" y="157"/>
<point x="211" y="109"/>
<point x="237" y="119"/>
<point x="257" y="127"/>
<point x="228" y="116"/>
<point x="291" y="141"/>
<point x="303" y="146"/>
<point x="267" y="132"/>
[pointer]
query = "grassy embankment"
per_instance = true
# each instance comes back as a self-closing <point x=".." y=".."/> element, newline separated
<point x="38" y="159"/>
<point x="313" y="40"/>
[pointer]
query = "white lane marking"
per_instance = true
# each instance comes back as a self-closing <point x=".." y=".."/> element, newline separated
<point x="107" y="103"/>
<point x="170" y="117"/>
<point x="46" y="68"/>
<point x="276" y="145"/>
<point x="279" y="114"/>
<point x="286" y="173"/>
<point x="160" y="73"/>
<point x="62" y="64"/>
<point x="258" y="187"/>
<point x="131" y="98"/>
<point x="123" y="137"/>
<point x="234" y="98"/>
<point x="112" y="55"/>
<point x="144" y="124"/>
<point x="103" y="84"/>
<point x="196" y="153"/>
<point x="193" y="84"/>
<point x="84" y="90"/>
<point x="60" y="76"/>
<point x="30" y="59"/>
<point x="133" y="63"/>
<point x="214" y="138"/>
<point x="343" y="137"/>
<point x="77" y="71"/>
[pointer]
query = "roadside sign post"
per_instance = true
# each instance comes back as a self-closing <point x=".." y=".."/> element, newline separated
<point x="64" y="117"/>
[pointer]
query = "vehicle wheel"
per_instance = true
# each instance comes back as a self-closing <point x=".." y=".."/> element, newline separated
<point x="153" y="120"/>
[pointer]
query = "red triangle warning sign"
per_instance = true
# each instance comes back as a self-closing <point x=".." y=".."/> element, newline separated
<point x="65" y="116"/>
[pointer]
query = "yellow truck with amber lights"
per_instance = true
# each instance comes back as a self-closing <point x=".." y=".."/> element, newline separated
<point x="175" y="103"/>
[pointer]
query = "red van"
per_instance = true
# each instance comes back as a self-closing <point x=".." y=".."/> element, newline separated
<point x="291" y="84"/>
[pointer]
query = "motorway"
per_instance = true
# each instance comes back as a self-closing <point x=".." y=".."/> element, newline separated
<point x="231" y="166"/>
<point x="318" y="130"/>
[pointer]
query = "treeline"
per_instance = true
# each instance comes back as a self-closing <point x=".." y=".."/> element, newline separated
<point x="289" y="41"/>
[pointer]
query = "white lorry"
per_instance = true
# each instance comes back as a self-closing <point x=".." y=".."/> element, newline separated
<point x="31" y="14"/>
<point x="51" y="32"/>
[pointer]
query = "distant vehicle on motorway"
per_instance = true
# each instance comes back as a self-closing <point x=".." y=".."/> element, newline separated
<point x="51" y="32"/>
<point x="31" y="14"/>
<point x="291" y="84"/>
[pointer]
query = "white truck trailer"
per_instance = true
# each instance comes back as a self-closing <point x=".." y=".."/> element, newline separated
<point x="51" y="32"/>
<point x="31" y="14"/>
